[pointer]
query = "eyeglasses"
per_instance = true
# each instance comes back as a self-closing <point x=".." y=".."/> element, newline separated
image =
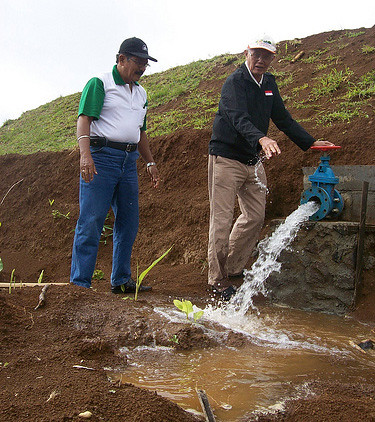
<point x="138" y="63"/>
<point x="264" y="55"/>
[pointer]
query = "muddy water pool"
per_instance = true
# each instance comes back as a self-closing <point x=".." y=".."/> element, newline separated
<point x="283" y="350"/>
<point x="286" y="349"/>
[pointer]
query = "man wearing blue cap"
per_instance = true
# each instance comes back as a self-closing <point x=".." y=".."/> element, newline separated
<point x="249" y="99"/>
<point x="111" y="133"/>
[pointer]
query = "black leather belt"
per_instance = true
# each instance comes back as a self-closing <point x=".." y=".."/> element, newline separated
<point x="100" y="141"/>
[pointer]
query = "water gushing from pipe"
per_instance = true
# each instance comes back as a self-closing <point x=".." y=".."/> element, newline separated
<point x="270" y="249"/>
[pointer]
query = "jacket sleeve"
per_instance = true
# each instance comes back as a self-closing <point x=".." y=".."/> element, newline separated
<point x="284" y="121"/>
<point x="233" y="105"/>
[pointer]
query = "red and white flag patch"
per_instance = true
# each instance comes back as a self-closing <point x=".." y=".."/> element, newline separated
<point x="268" y="93"/>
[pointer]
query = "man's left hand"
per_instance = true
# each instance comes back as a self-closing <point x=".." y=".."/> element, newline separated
<point x="154" y="174"/>
<point x="269" y="146"/>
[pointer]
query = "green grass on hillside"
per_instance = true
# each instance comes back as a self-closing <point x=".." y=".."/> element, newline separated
<point x="179" y="87"/>
<point x="50" y="127"/>
<point x="187" y="96"/>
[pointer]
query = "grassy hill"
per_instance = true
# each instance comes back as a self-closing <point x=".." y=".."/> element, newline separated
<point x="324" y="79"/>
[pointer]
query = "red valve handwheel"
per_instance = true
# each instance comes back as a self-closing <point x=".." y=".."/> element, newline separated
<point x="326" y="147"/>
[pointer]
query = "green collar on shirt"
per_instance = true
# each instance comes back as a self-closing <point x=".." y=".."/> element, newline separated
<point x="117" y="78"/>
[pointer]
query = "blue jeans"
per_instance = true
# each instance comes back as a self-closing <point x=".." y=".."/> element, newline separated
<point x="116" y="186"/>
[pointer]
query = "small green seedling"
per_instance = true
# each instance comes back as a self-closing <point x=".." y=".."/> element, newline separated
<point x="58" y="214"/>
<point x="145" y="272"/>
<point x="174" y="339"/>
<point x="12" y="280"/>
<point x="1" y="265"/>
<point x="40" y="277"/>
<point x="204" y="265"/>
<point x="98" y="275"/>
<point x="107" y="231"/>
<point x="51" y="201"/>
<point x="187" y="307"/>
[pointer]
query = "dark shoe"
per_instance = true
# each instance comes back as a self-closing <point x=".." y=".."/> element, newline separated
<point x="235" y="275"/>
<point x="227" y="293"/>
<point x="129" y="287"/>
<point x="224" y="292"/>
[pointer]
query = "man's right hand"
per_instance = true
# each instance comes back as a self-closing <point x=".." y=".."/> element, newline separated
<point x="86" y="163"/>
<point x="87" y="167"/>
<point x="269" y="146"/>
<point x="322" y="144"/>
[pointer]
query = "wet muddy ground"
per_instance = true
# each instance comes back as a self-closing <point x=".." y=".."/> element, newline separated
<point x="45" y="353"/>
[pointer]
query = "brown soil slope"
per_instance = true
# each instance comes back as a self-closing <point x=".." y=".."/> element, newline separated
<point x="42" y="346"/>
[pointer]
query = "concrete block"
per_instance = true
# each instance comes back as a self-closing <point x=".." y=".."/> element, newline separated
<point x="318" y="269"/>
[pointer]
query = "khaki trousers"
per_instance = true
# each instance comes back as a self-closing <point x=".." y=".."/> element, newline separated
<point x="229" y="250"/>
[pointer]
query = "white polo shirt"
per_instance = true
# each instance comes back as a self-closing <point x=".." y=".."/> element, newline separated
<point x="119" y="113"/>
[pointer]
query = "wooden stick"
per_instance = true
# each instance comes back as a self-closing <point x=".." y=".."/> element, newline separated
<point x="351" y="342"/>
<point x="298" y="56"/>
<point x="205" y="405"/>
<point x="31" y="284"/>
<point x="360" y="244"/>
<point x="1" y="203"/>
<point x="42" y="297"/>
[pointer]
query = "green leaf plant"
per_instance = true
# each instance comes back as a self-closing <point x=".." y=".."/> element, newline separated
<point x="98" y="275"/>
<point x="107" y="231"/>
<point x="174" y="339"/>
<point x="12" y="280"/>
<point x="143" y="274"/>
<point x="186" y="307"/>
<point x="40" y="279"/>
<point x="58" y="214"/>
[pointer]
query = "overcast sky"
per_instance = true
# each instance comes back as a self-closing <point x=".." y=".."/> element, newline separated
<point x="50" y="48"/>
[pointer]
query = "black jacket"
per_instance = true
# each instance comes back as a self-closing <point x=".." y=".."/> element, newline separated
<point x="244" y="114"/>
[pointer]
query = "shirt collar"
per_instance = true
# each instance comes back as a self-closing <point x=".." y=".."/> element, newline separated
<point x="117" y="78"/>
<point x="252" y="76"/>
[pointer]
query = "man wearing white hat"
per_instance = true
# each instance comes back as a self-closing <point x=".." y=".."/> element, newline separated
<point x="249" y="99"/>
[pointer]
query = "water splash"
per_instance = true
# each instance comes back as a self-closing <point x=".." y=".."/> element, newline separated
<point x="269" y="251"/>
<point x="263" y="186"/>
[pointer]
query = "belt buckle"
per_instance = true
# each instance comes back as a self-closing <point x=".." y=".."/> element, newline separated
<point x="129" y="148"/>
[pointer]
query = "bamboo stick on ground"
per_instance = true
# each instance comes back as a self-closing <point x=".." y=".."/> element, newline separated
<point x="298" y="56"/>
<point x="205" y="405"/>
<point x="42" y="297"/>
<point x="31" y="284"/>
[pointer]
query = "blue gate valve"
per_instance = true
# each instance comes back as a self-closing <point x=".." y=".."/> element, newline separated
<point x="322" y="188"/>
